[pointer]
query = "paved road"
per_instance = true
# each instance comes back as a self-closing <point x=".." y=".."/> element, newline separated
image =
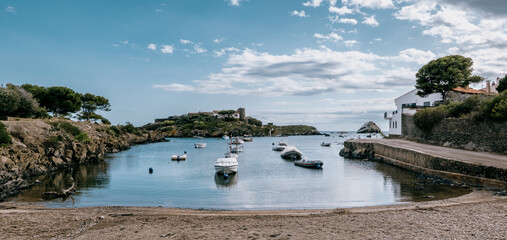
<point x="483" y="158"/>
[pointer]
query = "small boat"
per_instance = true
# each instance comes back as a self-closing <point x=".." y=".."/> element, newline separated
<point x="225" y="137"/>
<point x="278" y="148"/>
<point x="236" y="149"/>
<point x="229" y="153"/>
<point x="324" y="144"/>
<point x="226" y="166"/>
<point x="291" y="152"/>
<point x="282" y="143"/>
<point x="237" y="141"/>
<point x="327" y="135"/>
<point x="200" y="144"/>
<point x="247" y="139"/>
<point x="309" y="163"/>
<point x="179" y="157"/>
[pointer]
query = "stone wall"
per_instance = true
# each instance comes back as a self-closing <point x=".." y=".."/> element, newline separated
<point x="458" y="171"/>
<point x="460" y="133"/>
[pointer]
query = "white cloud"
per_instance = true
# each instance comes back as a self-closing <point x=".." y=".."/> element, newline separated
<point x="333" y="37"/>
<point x="299" y="14"/>
<point x="10" y="9"/>
<point x="218" y="40"/>
<point x="167" y="49"/>
<point x="370" y="21"/>
<point x="199" y="49"/>
<point x="183" y="41"/>
<point x="350" y="43"/>
<point x="348" y="21"/>
<point x="116" y="45"/>
<point x="223" y="51"/>
<point x="472" y="32"/>
<point x="313" y="3"/>
<point x="340" y="11"/>
<point x="233" y="2"/>
<point x="305" y="72"/>
<point x="125" y="42"/>
<point x="152" y="46"/>
<point x="370" y="3"/>
<point x="415" y="55"/>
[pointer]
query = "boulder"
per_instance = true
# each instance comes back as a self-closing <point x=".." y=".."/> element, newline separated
<point x="369" y="127"/>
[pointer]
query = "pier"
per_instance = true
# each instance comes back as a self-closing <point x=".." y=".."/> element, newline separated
<point x="461" y="166"/>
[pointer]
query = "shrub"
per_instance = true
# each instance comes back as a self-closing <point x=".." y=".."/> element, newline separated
<point x="114" y="130"/>
<point x="495" y="109"/>
<point x="83" y="137"/>
<point x="471" y="104"/>
<point x="67" y="127"/>
<point x="53" y="141"/>
<point x="5" y="138"/>
<point x="426" y="118"/>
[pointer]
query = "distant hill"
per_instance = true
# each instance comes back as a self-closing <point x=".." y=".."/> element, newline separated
<point x="211" y="126"/>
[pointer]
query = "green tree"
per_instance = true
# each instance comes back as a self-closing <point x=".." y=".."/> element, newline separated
<point x="502" y="85"/>
<point x="92" y="103"/>
<point x="9" y="102"/>
<point x="5" y="138"/>
<point x="62" y="101"/>
<point x="28" y="106"/>
<point x="444" y="74"/>
<point x="38" y="92"/>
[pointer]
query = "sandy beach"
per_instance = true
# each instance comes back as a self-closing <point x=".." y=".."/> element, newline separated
<point x="478" y="215"/>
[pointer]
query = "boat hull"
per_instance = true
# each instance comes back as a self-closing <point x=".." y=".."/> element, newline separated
<point x="309" y="164"/>
<point x="200" y="145"/>
<point x="226" y="169"/>
<point x="179" y="158"/>
<point x="278" y="148"/>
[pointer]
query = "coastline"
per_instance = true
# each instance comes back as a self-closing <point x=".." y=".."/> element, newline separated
<point x="479" y="214"/>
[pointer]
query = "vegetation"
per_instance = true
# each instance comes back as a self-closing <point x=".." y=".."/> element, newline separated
<point x="209" y="126"/>
<point x="502" y="85"/>
<point x="72" y="130"/>
<point x="92" y="103"/>
<point x="444" y="74"/>
<point x="15" y="101"/>
<point x="490" y="108"/>
<point x="5" y="138"/>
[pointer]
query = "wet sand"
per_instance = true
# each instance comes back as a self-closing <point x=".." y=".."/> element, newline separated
<point x="478" y="215"/>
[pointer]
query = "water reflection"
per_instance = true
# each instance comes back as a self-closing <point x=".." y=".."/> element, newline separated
<point x="94" y="175"/>
<point x="229" y="182"/>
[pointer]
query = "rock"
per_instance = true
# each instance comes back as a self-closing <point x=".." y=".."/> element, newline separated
<point x="369" y="127"/>
<point x="447" y="144"/>
<point x="470" y="146"/>
<point x="345" y="152"/>
<point x="359" y="153"/>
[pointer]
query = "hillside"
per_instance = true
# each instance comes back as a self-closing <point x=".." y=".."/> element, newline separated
<point x="210" y="126"/>
<point x="40" y="146"/>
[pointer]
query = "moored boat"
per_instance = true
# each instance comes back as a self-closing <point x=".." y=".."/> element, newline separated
<point x="225" y="137"/>
<point x="226" y="166"/>
<point x="200" y="144"/>
<point x="309" y="163"/>
<point x="291" y="152"/>
<point x="324" y="144"/>
<point x="282" y="143"/>
<point x="278" y="148"/>
<point x="179" y="157"/>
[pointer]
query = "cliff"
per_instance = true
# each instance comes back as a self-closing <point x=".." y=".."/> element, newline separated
<point x="40" y="146"/>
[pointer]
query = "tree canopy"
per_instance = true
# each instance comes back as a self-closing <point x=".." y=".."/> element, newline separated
<point x="444" y="74"/>
<point x="92" y="103"/>
<point x="502" y="85"/>
<point x="15" y="101"/>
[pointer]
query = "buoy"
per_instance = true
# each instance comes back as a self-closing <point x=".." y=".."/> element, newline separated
<point x="185" y="152"/>
<point x="150" y="170"/>
<point x="226" y="176"/>
<point x="318" y="166"/>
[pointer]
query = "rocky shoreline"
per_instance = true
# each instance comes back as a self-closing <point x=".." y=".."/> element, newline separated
<point x="42" y="146"/>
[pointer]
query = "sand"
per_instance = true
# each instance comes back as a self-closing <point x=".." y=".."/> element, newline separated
<point x="478" y="215"/>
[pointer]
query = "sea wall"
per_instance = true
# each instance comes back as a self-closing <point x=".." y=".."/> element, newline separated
<point x="460" y="133"/>
<point x="457" y="171"/>
<point x="39" y="147"/>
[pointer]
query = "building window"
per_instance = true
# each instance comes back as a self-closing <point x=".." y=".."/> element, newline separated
<point x="427" y="104"/>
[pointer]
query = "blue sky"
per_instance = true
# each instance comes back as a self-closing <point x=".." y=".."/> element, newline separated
<point x="331" y="64"/>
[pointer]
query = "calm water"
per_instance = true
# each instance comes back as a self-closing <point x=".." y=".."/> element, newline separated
<point x="264" y="180"/>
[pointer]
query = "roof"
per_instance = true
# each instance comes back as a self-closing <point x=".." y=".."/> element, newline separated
<point x="470" y="90"/>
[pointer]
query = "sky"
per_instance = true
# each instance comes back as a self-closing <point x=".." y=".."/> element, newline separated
<point x="332" y="64"/>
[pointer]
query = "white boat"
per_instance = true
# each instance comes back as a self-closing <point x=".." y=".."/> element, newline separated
<point x="291" y="152"/>
<point x="226" y="166"/>
<point x="179" y="157"/>
<point x="278" y="148"/>
<point x="247" y="138"/>
<point x="236" y="148"/>
<point x="282" y="143"/>
<point x="237" y="141"/>
<point x="324" y="144"/>
<point x="231" y="155"/>
<point x="225" y="137"/>
<point x="200" y="144"/>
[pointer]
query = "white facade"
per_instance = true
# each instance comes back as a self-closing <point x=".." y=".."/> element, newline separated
<point x="408" y="103"/>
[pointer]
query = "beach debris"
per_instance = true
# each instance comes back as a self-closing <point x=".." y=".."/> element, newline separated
<point x="63" y="194"/>
<point x="167" y="235"/>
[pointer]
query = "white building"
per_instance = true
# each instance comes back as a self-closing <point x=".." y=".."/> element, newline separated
<point x="408" y="103"/>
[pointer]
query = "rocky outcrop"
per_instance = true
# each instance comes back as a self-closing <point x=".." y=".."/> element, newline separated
<point x="39" y="147"/>
<point x="369" y="127"/>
